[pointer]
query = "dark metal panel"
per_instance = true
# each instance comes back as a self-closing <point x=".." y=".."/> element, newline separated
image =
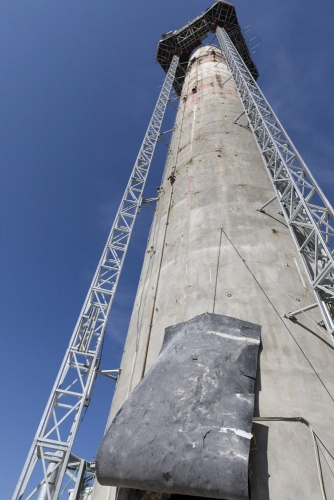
<point x="186" y="427"/>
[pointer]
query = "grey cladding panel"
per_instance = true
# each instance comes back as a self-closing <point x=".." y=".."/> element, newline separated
<point x="186" y="427"/>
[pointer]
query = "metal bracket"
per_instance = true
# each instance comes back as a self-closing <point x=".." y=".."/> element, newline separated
<point x="163" y="133"/>
<point x="266" y="204"/>
<point x="107" y="373"/>
<point x="236" y="121"/>
<point x="292" y="315"/>
<point x="171" y="100"/>
<point x="147" y="201"/>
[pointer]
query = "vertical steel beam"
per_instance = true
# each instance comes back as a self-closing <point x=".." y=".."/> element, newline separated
<point x="71" y="392"/>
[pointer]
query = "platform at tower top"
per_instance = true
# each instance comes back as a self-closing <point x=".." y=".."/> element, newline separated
<point x="183" y="41"/>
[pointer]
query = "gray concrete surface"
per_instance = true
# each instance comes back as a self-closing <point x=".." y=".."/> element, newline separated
<point x="210" y="250"/>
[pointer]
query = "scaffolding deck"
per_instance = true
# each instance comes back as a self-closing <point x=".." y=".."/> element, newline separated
<point x="183" y="41"/>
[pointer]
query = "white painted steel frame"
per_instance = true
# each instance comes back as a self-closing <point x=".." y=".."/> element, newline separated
<point x="74" y="383"/>
<point x="307" y="211"/>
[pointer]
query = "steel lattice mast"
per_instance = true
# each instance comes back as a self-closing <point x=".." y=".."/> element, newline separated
<point x="72" y="390"/>
<point x="308" y="213"/>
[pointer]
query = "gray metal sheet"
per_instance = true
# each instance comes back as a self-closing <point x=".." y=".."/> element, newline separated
<point x="186" y="427"/>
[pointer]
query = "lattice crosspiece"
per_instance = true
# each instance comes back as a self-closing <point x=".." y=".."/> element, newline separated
<point x="307" y="211"/>
<point x="51" y="448"/>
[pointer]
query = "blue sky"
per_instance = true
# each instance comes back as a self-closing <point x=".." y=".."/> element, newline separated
<point x="78" y="84"/>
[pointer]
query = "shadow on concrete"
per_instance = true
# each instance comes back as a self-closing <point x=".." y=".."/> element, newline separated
<point x="258" y="459"/>
<point x="187" y="497"/>
<point x="275" y="218"/>
<point x="132" y="494"/>
<point x="329" y="344"/>
<point x="257" y="387"/>
<point x="258" y="463"/>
